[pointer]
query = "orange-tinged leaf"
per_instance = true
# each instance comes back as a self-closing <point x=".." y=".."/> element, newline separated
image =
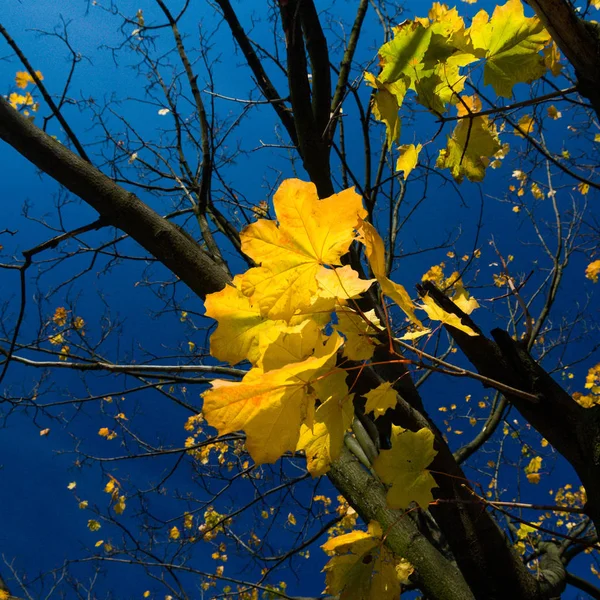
<point x="436" y="313"/>
<point x="375" y="251"/>
<point x="526" y="124"/>
<point x="23" y="78"/>
<point x="323" y="442"/>
<point x="359" y="333"/>
<point x="593" y="270"/>
<point x="270" y="406"/>
<point x="380" y="399"/>
<point x="404" y="467"/>
<point x="311" y="233"/>
<point x="292" y="345"/>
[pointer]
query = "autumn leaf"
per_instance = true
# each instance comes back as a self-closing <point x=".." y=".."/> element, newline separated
<point x="359" y="332"/>
<point x="174" y="533"/>
<point x="23" y="78"/>
<point x="532" y="470"/>
<point x="363" y="568"/>
<point x="512" y="45"/>
<point x="380" y="399"/>
<point x="472" y="143"/>
<point x="387" y="101"/>
<point x="436" y="313"/>
<point x="311" y="235"/>
<point x="375" y="251"/>
<point x="270" y="406"/>
<point x="404" y="467"/>
<point x="407" y="161"/>
<point x="93" y="525"/>
<point x="593" y="270"/>
<point x="323" y="441"/>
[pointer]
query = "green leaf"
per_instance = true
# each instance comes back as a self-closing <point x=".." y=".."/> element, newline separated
<point x="512" y="45"/>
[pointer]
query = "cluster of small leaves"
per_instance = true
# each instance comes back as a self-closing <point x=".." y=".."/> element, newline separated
<point x="433" y="57"/>
<point x="24" y="101"/>
<point x="62" y="326"/>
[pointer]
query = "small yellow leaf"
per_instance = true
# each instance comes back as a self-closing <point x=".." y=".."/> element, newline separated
<point x="436" y="313"/>
<point x="526" y="125"/>
<point x="93" y="525"/>
<point x="174" y="533"/>
<point x="146" y="594"/>
<point x="553" y="112"/>
<point x="593" y="270"/>
<point x="83" y="504"/>
<point x="44" y="432"/>
<point x="99" y="543"/>
<point x="380" y="399"/>
<point x="583" y="188"/>
<point x="407" y="161"/>
<point x="72" y="485"/>
<point x="23" y="78"/>
<point x="291" y="519"/>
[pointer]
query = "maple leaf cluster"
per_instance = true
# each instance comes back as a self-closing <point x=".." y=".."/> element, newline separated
<point x="294" y="319"/>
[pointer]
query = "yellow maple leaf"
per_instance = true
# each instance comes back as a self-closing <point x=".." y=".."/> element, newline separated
<point x="270" y="406"/>
<point x="512" y="44"/>
<point x="375" y="251"/>
<point x="404" y="467"/>
<point x="526" y="125"/>
<point x="533" y="468"/>
<point x="241" y="325"/>
<point x="386" y="104"/>
<point x="463" y="299"/>
<point x="363" y="567"/>
<point x="472" y="143"/>
<point x="23" y="78"/>
<point x="311" y="235"/>
<point x="380" y="399"/>
<point x="323" y="441"/>
<point x="93" y="525"/>
<point x="436" y="313"/>
<point x="359" y="333"/>
<point x="593" y="270"/>
<point x="407" y="161"/>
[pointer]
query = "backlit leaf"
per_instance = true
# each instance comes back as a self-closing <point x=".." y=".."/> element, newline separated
<point x="270" y="406"/>
<point x="512" y="45"/>
<point x="363" y="568"/>
<point x="407" y="161"/>
<point x="311" y="233"/>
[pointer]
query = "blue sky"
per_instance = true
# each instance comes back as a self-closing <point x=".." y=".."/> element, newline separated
<point x="41" y="524"/>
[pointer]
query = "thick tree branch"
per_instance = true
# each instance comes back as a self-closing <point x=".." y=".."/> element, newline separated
<point x="311" y="144"/>
<point x="438" y="578"/>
